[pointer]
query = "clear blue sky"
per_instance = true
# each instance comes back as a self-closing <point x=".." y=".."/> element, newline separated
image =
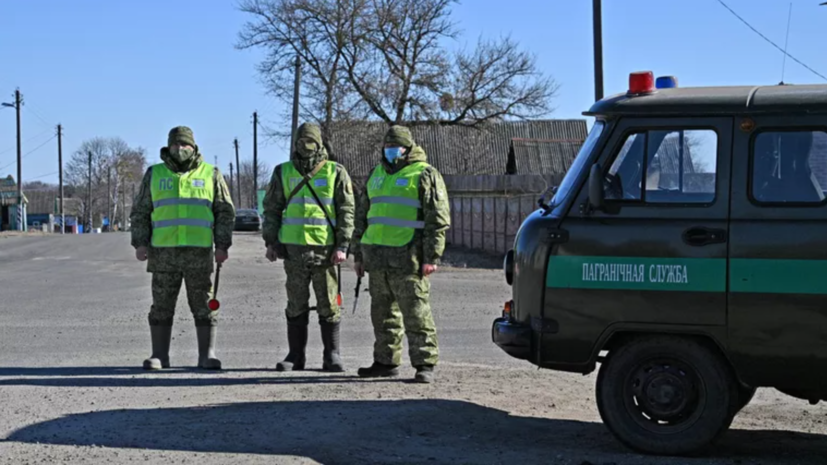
<point x="134" y="69"/>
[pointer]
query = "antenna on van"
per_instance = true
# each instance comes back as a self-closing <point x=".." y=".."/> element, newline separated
<point x="786" y="43"/>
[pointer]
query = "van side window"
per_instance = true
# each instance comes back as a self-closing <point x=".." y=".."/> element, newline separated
<point x="789" y="167"/>
<point x="680" y="168"/>
<point x="622" y="182"/>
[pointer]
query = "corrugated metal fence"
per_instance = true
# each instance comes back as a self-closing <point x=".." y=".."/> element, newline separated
<point x="457" y="150"/>
<point x="487" y="210"/>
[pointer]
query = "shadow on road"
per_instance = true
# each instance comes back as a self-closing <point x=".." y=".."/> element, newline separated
<point x="410" y="431"/>
<point x="71" y="371"/>
<point x="137" y="377"/>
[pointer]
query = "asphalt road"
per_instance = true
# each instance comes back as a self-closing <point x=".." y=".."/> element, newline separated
<point x="73" y="334"/>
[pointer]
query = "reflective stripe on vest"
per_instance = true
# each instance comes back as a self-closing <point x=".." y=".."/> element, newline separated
<point x="182" y="213"/>
<point x="303" y="221"/>
<point x="165" y="202"/>
<point x="395" y="207"/>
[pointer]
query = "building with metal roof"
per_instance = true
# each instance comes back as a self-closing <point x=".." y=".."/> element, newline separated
<point x="536" y="147"/>
<point x="12" y="206"/>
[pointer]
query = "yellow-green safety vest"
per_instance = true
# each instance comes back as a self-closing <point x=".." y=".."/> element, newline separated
<point x="303" y="221"/>
<point x="394" y="206"/>
<point x="182" y="213"/>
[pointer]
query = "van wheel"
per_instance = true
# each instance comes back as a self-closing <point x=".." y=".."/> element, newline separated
<point x="666" y="395"/>
<point x="745" y="394"/>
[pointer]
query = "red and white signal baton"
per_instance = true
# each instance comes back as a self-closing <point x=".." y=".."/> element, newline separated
<point x="213" y="304"/>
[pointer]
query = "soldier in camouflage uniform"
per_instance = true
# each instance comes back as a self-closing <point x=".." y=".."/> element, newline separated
<point x="401" y="220"/>
<point x="297" y="230"/>
<point x="182" y="208"/>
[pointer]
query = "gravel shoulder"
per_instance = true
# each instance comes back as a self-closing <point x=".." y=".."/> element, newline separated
<point x="73" y="334"/>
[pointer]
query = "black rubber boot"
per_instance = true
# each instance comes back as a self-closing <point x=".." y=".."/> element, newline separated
<point x="206" y="348"/>
<point x="297" y="341"/>
<point x="379" y="370"/>
<point x="331" y="360"/>
<point x="424" y="374"/>
<point x="161" y="336"/>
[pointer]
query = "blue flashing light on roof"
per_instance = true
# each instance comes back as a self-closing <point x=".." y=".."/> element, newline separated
<point x="666" y="82"/>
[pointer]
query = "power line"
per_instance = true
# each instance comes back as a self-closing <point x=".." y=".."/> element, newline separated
<point x="36" y="114"/>
<point x="32" y="150"/>
<point x="43" y="176"/>
<point x="37" y="136"/>
<point x="770" y="41"/>
<point x="40" y="146"/>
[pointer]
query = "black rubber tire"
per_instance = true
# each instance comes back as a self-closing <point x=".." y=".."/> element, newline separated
<point x="745" y="394"/>
<point x="700" y="369"/>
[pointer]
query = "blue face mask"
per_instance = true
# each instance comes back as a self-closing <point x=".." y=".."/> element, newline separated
<point x="392" y="153"/>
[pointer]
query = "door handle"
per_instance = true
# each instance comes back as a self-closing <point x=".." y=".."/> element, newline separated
<point x="701" y="236"/>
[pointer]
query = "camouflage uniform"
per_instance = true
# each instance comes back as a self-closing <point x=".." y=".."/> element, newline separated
<point x="306" y="264"/>
<point x="400" y="294"/>
<point x="170" y="266"/>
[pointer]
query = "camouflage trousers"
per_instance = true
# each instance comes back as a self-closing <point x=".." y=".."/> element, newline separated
<point x="300" y="275"/>
<point x="165" y="289"/>
<point x="400" y="306"/>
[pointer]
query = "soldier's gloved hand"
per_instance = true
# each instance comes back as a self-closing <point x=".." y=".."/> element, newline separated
<point x="221" y="256"/>
<point x="271" y="254"/>
<point x="428" y="269"/>
<point x="140" y="254"/>
<point x="360" y="269"/>
<point x="339" y="257"/>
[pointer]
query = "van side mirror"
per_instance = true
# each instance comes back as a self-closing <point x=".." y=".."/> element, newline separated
<point x="596" y="193"/>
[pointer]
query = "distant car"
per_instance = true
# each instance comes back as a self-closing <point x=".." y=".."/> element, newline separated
<point x="247" y="220"/>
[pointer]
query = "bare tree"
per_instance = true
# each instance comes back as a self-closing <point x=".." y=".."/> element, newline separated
<point x="395" y="61"/>
<point x="38" y="186"/>
<point x="315" y="31"/>
<point x="248" y="199"/>
<point x="114" y="163"/>
<point x="385" y="60"/>
<point x="497" y="81"/>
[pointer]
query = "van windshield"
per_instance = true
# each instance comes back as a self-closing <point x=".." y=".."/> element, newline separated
<point x="578" y="164"/>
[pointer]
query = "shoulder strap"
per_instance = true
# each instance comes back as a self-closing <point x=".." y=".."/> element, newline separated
<point x="305" y="180"/>
<point x="316" y="197"/>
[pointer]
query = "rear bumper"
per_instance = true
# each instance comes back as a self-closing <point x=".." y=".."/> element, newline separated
<point x="247" y="226"/>
<point x="513" y="338"/>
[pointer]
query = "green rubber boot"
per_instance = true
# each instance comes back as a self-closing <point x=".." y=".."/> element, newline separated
<point x="161" y="337"/>
<point x="378" y="370"/>
<point x="331" y="360"/>
<point x="296" y="341"/>
<point x="206" y="348"/>
<point x="424" y="374"/>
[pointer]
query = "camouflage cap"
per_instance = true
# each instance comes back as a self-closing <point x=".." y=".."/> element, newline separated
<point x="181" y="135"/>
<point x="399" y="136"/>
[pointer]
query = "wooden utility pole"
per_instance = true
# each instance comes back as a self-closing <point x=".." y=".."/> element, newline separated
<point x="237" y="172"/>
<point x="89" y="194"/>
<point x="597" y="31"/>
<point x="60" y="170"/>
<point x="18" y="102"/>
<point x="296" y="88"/>
<point x="231" y="182"/>
<point x="123" y="203"/>
<point x="132" y="203"/>
<point x="254" y="199"/>
<point x="109" y="197"/>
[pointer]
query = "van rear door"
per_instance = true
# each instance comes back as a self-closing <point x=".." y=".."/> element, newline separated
<point x="778" y="251"/>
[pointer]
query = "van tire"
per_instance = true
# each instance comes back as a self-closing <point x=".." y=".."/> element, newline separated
<point x="680" y="382"/>
<point x="745" y="394"/>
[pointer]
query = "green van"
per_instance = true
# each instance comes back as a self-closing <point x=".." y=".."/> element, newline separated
<point x="685" y="251"/>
